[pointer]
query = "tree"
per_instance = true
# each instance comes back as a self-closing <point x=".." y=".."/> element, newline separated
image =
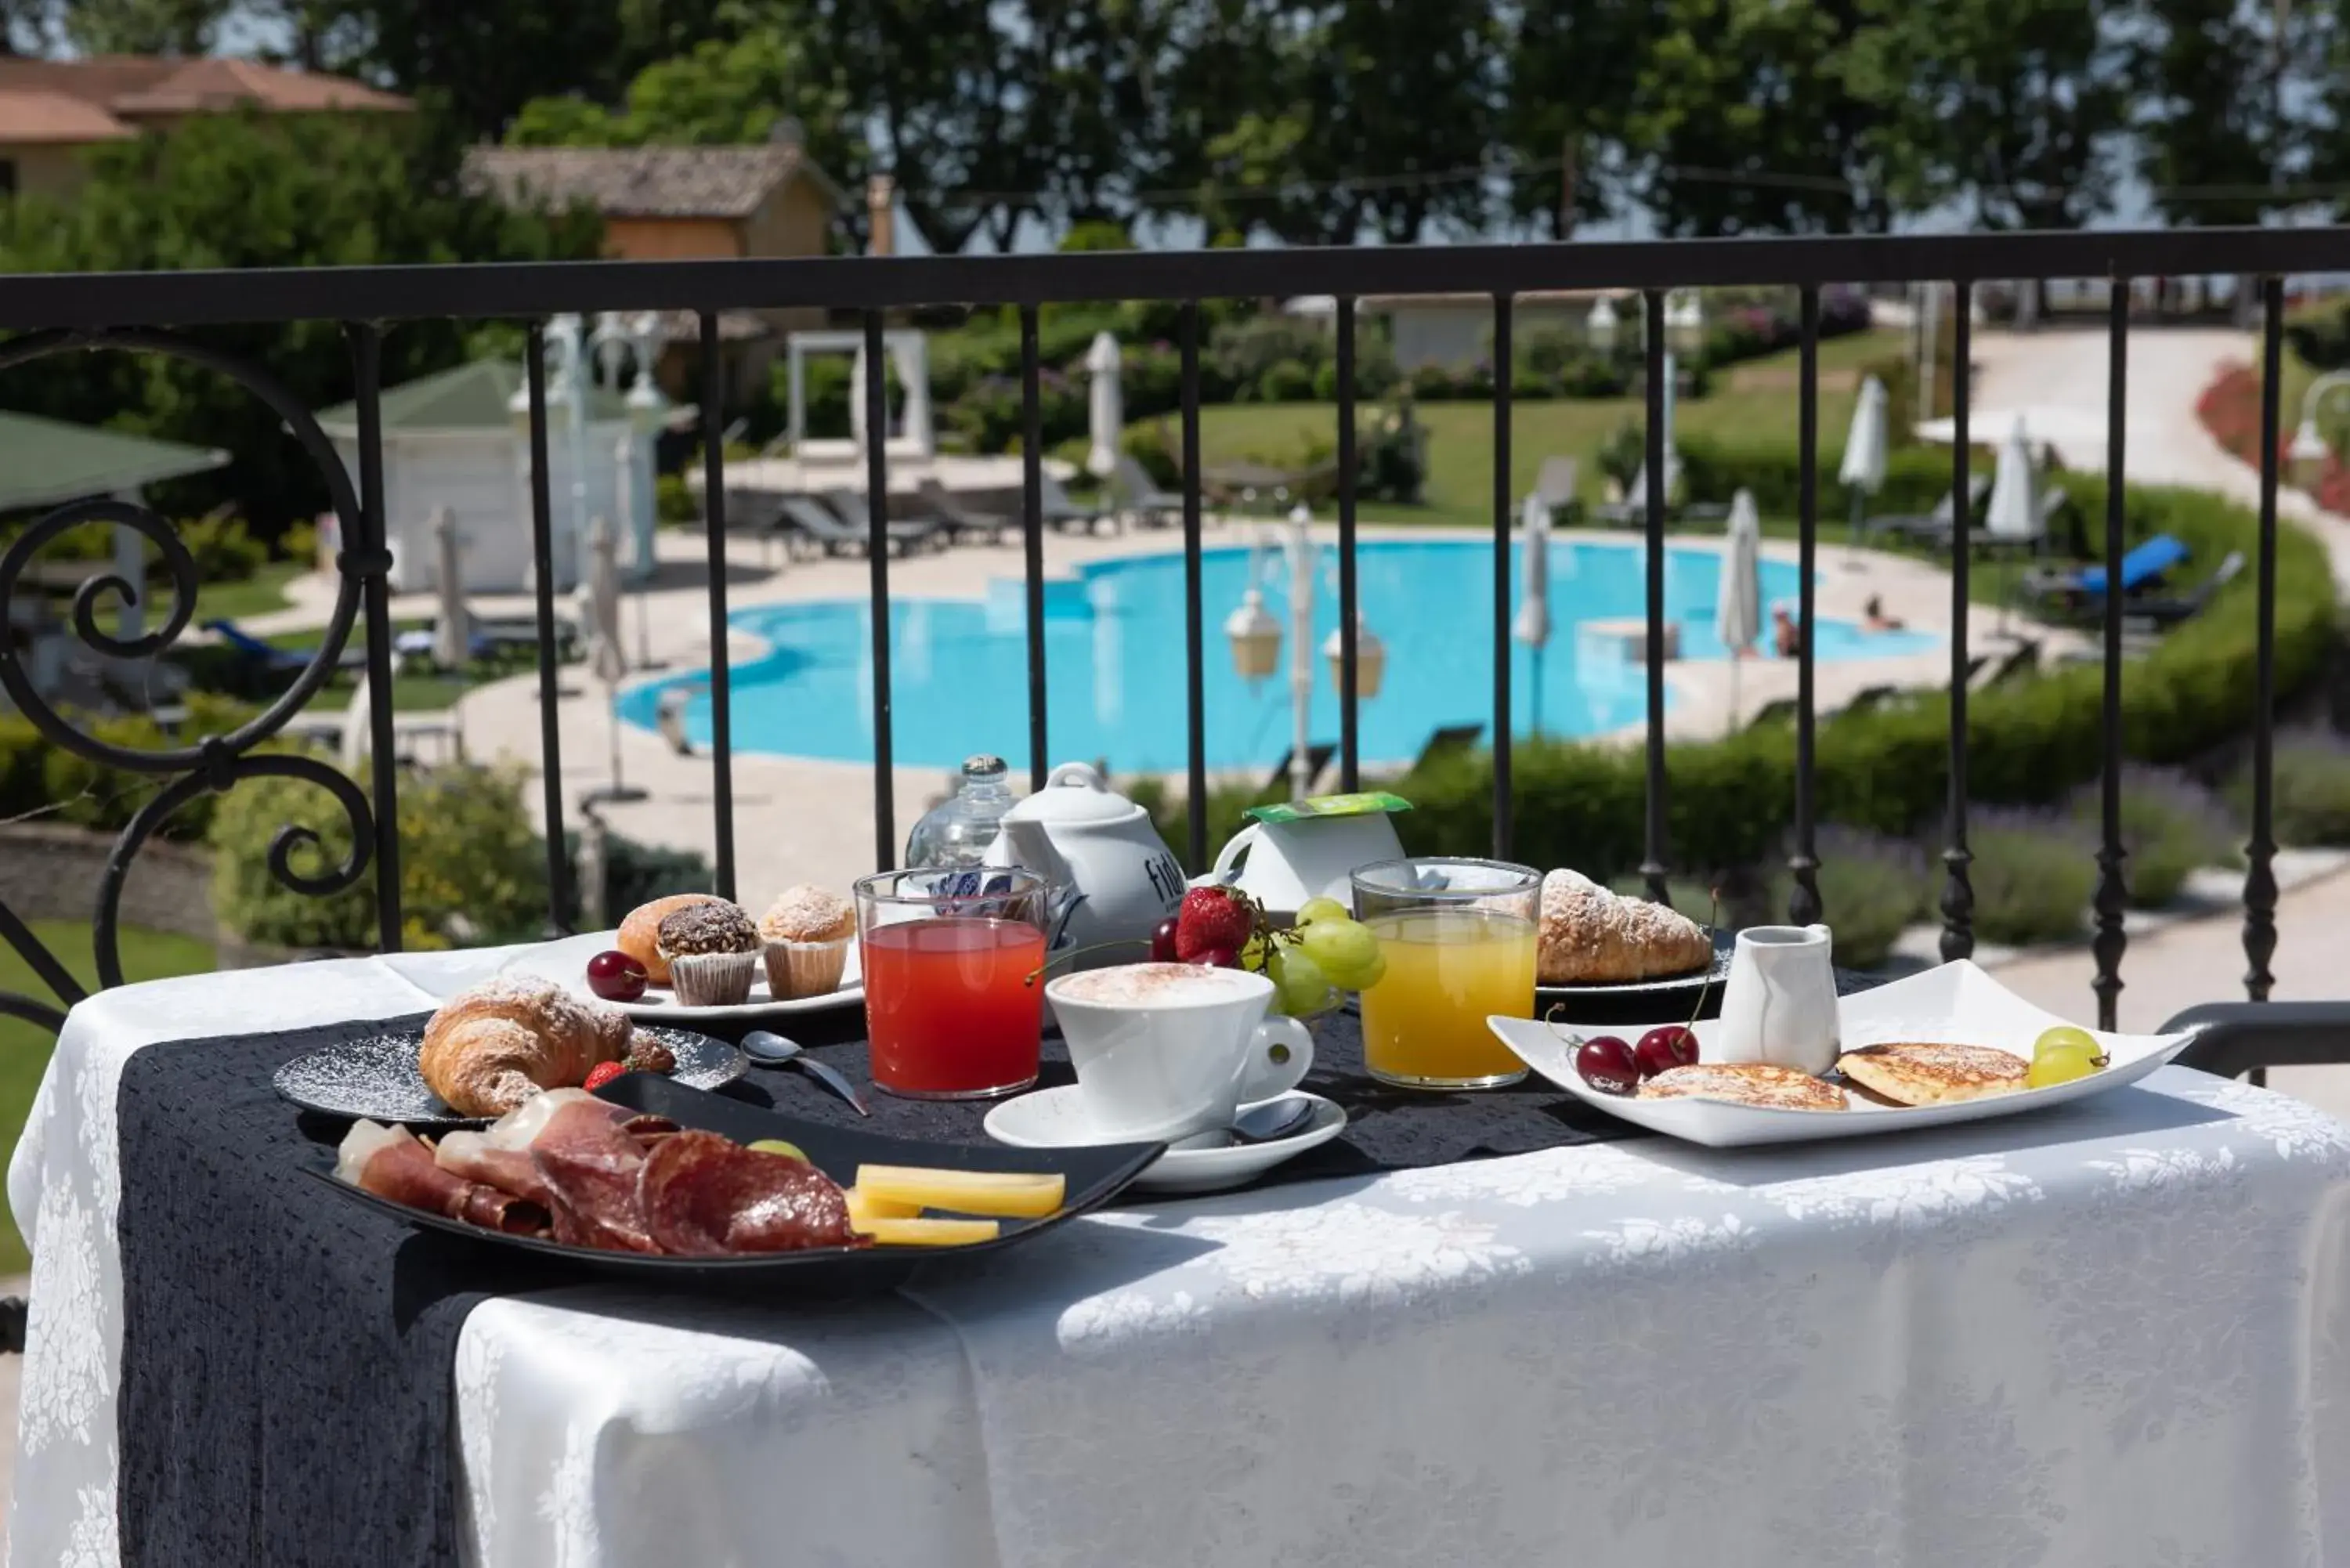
<point x="142" y="27"/>
<point x="721" y="92"/>
<point x="2013" y="107"/>
<point x="1566" y="105"/>
<point x="248" y="191"/>
<point x="1349" y="115"/>
<point x="1743" y="118"/>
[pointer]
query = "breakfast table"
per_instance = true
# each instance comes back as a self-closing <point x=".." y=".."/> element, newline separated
<point x="2113" y="1334"/>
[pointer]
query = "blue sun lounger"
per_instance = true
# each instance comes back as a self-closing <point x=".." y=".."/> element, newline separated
<point x="2148" y="561"/>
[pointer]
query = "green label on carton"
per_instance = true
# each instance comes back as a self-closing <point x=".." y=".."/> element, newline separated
<point x="1367" y="802"/>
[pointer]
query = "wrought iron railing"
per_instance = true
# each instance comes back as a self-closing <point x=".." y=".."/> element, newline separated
<point x="53" y="315"/>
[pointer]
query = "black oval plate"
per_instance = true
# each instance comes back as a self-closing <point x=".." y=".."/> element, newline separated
<point x="375" y="1077"/>
<point x="1664" y="986"/>
<point x="1094" y="1175"/>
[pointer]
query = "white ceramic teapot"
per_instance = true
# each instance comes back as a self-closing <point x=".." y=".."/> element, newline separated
<point x="1080" y="835"/>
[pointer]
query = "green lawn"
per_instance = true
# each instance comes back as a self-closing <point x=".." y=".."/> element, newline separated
<point x="1754" y="400"/>
<point x="260" y="593"/>
<point x="24" y="1047"/>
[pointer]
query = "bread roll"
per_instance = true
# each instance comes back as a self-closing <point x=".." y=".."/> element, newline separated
<point x="638" y="932"/>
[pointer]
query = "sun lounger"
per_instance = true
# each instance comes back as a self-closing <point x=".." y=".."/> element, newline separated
<point x="1934" y="527"/>
<point x="1062" y="513"/>
<point x="269" y="656"/>
<point x="1449" y="740"/>
<point x="2158" y="614"/>
<point x="1317" y="763"/>
<point x="963" y="521"/>
<point x="905" y="533"/>
<point x="2145" y="563"/>
<point x="1139" y="497"/>
<point x="816" y="524"/>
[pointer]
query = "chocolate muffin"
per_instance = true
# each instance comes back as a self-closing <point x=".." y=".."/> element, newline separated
<point x="712" y="952"/>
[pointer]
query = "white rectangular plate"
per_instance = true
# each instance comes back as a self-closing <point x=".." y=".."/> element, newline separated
<point x="1956" y="1003"/>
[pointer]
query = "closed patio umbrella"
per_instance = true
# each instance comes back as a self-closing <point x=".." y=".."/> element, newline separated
<point x="453" y="631"/>
<point x="1532" y="623"/>
<point x="1105" y="407"/>
<point x="1738" y="602"/>
<point x="2014" y="510"/>
<point x="606" y="659"/>
<point x="1863" y="470"/>
<point x="353" y="743"/>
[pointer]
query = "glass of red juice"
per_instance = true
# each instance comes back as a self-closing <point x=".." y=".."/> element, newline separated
<point x="954" y="990"/>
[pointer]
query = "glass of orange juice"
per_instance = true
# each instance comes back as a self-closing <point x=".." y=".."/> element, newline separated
<point x="1458" y="938"/>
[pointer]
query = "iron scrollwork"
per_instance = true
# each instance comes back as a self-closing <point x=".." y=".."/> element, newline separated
<point x="211" y="763"/>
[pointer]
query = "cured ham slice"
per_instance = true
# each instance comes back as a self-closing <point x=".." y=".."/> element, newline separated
<point x="500" y="1156"/>
<point x="588" y="1162"/>
<point x="703" y="1195"/>
<point x="392" y="1163"/>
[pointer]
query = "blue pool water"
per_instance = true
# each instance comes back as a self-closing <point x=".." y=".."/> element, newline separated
<point x="1114" y="666"/>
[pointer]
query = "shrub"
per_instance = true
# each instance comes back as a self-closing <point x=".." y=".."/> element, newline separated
<point x="1434" y="384"/>
<point x="1157" y="449"/>
<point x="2320" y="333"/>
<point x="1915" y="479"/>
<point x="2032" y="876"/>
<point x="472" y="871"/>
<point x="2031" y="742"/>
<point x="103" y="797"/>
<point x="225" y="551"/>
<point x="673" y="502"/>
<point x="2171" y="827"/>
<point x="634" y="873"/>
<point x="1872" y="888"/>
<point x="1594" y="376"/>
<point x="1244" y="350"/>
<point x="1285" y="381"/>
<point x="2310" y="803"/>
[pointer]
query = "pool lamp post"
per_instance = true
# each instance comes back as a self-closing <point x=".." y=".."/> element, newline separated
<point x="1255" y="639"/>
<point x="2309" y="448"/>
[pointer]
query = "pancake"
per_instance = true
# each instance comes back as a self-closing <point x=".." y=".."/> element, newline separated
<point x="1934" y="1074"/>
<point x="1745" y="1084"/>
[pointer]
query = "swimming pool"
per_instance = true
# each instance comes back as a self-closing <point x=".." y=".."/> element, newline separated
<point x="1114" y="666"/>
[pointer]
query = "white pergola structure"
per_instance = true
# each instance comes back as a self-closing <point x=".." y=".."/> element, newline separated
<point x="909" y="352"/>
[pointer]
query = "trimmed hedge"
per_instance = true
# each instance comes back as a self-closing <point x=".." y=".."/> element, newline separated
<point x="38" y="778"/>
<point x="2029" y="742"/>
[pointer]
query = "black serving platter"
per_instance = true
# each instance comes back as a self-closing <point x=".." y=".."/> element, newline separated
<point x="1094" y="1176"/>
<point x="374" y="1075"/>
<point x="1660" y="990"/>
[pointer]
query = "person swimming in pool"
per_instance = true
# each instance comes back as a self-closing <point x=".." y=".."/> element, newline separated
<point x="1786" y="637"/>
<point x="1874" y="619"/>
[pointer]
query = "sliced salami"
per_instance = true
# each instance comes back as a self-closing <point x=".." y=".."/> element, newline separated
<point x="590" y="1165"/>
<point x="703" y="1195"/>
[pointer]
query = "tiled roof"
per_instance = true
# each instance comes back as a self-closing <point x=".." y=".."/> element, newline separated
<point x="475" y="396"/>
<point x="91" y="99"/>
<point x="642" y="181"/>
<point x="31" y="116"/>
<point x="216" y="84"/>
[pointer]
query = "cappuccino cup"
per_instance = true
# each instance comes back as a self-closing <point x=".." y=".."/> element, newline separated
<point x="1163" y="1051"/>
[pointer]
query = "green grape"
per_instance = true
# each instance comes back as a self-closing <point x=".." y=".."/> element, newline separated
<point x="1340" y="947"/>
<point x="1298" y="983"/>
<point x="1369" y="975"/>
<point x="1316" y="909"/>
<point x="1252" y="954"/>
<point x="2064" y="1037"/>
<point x="2061" y="1063"/>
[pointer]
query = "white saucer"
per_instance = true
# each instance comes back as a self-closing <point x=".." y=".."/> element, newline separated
<point x="1056" y="1118"/>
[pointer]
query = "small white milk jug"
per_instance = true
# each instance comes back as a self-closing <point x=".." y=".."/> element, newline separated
<point x="1779" y="1004"/>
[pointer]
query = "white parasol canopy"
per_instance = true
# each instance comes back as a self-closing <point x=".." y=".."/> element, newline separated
<point x="2014" y="510"/>
<point x="1105" y="406"/>
<point x="1738" y="601"/>
<point x="453" y="631"/>
<point x="1865" y="443"/>
<point x="2077" y="435"/>
<point x="1532" y="625"/>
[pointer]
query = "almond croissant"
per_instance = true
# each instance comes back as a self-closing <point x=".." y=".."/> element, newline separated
<point x="492" y="1047"/>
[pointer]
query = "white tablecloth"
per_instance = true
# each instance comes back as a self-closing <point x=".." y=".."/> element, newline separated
<point x="2116" y="1336"/>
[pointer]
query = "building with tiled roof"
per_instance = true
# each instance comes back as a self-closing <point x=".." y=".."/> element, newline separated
<point x="52" y="109"/>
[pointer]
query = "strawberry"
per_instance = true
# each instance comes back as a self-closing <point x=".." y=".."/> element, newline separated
<point x="601" y="1073"/>
<point x="1212" y="918"/>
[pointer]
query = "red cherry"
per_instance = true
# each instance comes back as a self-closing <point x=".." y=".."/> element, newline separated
<point x="601" y="1073"/>
<point x="1606" y="1065"/>
<point x="616" y="977"/>
<point x="1216" y="958"/>
<point x="1163" y="941"/>
<point x="1665" y="1048"/>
